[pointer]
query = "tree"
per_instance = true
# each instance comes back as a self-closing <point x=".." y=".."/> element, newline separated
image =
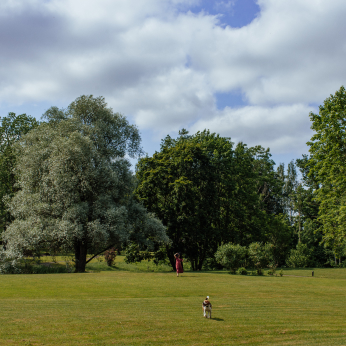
<point x="327" y="165"/>
<point x="12" y="128"/>
<point x="261" y="255"/>
<point x="231" y="256"/>
<point x="206" y="193"/>
<point x="299" y="257"/>
<point x="189" y="186"/>
<point x="76" y="189"/>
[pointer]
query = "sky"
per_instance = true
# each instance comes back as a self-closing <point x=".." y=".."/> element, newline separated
<point x="251" y="70"/>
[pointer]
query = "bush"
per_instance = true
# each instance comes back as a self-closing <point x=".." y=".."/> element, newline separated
<point x="299" y="257"/>
<point x="160" y="256"/>
<point x="242" y="271"/>
<point x="281" y="273"/>
<point x="261" y="256"/>
<point x="110" y="256"/>
<point x="10" y="267"/>
<point x="231" y="256"/>
<point x="134" y="255"/>
<point x="210" y="263"/>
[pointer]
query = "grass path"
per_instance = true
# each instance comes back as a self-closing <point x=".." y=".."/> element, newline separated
<point x="126" y="308"/>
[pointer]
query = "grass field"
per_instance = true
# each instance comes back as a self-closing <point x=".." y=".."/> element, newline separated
<point x="144" y="308"/>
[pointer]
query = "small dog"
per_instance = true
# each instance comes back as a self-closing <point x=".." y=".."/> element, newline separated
<point x="207" y="308"/>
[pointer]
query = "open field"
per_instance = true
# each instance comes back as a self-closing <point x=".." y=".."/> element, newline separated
<point x="127" y="308"/>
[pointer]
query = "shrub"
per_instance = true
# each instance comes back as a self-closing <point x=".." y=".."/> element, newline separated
<point x="210" y="263"/>
<point x="242" y="271"/>
<point x="10" y="267"/>
<point x="133" y="254"/>
<point x="281" y="273"/>
<point x="110" y="256"/>
<point x="299" y="257"/>
<point x="160" y="256"/>
<point x="260" y="271"/>
<point x="261" y="255"/>
<point x="231" y="256"/>
<point x="272" y="268"/>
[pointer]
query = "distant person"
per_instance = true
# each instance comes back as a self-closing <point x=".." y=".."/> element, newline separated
<point x="182" y="262"/>
<point x="178" y="264"/>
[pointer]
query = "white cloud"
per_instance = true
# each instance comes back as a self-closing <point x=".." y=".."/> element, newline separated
<point x="163" y="67"/>
<point x="283" y="128"/>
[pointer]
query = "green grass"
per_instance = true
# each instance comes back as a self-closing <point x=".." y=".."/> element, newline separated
<point x="144" y="308"/>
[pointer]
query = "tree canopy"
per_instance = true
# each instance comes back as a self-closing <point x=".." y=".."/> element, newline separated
<point x="327" y="166"/>
<point x="75" y="185"/>
<point x="207" y="192"/>
<point x="12" y="128"/>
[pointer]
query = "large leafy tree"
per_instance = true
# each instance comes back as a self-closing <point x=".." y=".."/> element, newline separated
<point x="327" y="166"/>
<point x="12" y="128"/>
<point x="206" y="192"/>
<point x="76" y="189"/>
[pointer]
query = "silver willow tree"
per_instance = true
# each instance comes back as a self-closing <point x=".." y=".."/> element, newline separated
<point x="76" y="188"/>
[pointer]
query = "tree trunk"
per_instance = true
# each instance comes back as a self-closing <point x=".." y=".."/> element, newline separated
<point x="299" y="231"/>
<point x="80" y="255"/>
<point x="171" y="258"/>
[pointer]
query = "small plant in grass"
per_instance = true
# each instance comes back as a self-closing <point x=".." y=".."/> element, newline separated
<point x="242" y="271"/>
<point x="281" y="272"/>
<point x="110" y="256"/>
<point x="99" y="258"/>
<point x="272" y="268"/>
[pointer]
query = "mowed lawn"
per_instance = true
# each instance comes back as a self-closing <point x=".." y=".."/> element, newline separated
<point x="129" y="308"/>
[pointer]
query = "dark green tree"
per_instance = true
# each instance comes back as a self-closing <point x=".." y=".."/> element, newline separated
<point x="327" y="166"/>
<point x="207" y="192"/>
<point x="12" y="128"/>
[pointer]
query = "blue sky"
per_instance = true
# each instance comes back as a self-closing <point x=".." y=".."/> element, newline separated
<point x="249" y="70"/>
<point x="236" y="13"/>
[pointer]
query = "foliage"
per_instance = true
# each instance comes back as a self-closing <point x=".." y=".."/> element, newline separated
<point x="299" y="257"/>
<point x="12" y="128"/>
<point x="133" y="254"/>
<point x="110" y="256"/>
<point x="261" y="255"/>
<point x="242" y="271"/>
<point x="210" y="263"/>
<point x="231" y="256"/>
<point x="206" y="192"/>
<point x="76" y="188"/>
<point x="278" y="233"/>
<point x="327" y="166"/>
<point x="281" y="273"/>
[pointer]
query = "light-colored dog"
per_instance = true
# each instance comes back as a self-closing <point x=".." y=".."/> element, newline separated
<point x="207" y="308"/>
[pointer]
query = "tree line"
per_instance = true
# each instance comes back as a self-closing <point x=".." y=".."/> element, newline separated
<point x="66" y="185"/>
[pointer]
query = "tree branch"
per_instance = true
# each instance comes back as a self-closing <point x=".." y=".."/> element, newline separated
<point x="107" y="248"/>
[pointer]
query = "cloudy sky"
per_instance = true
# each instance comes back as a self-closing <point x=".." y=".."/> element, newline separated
<point x="250" y="70"/>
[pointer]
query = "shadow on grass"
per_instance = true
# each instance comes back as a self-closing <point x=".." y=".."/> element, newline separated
<point x="217" y="319"/>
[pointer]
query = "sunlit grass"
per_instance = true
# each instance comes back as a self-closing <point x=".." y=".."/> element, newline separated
<point x="145" y="308"/>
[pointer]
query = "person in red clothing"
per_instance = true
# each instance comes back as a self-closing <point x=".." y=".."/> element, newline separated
<point x="178" y="264"/>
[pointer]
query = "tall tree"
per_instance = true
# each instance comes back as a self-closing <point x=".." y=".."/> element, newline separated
<point x="75" y="184"/>
<point x="12" y="128"/>
<point x="206" y="193"/>
<point x="327" y="166"/>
